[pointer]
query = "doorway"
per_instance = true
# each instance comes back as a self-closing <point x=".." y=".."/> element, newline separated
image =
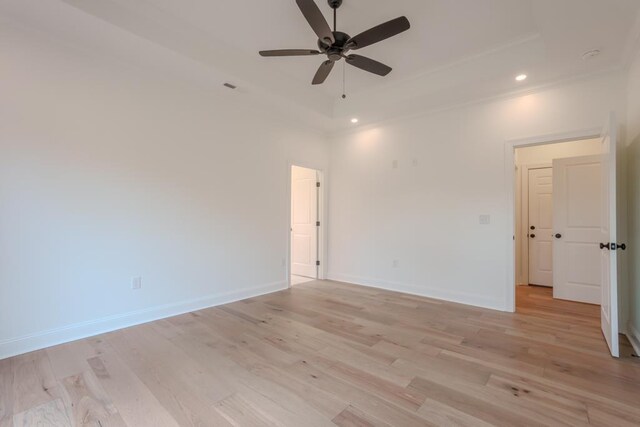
<point x="559" y="193"/>
<point x="563" y="195"/>
<point x="305" y="225"/>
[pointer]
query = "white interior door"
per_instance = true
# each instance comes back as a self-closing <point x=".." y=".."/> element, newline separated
<point x="304" y="217"/>
<point x="608" y="253"/>
<point x="578" y="220"/>
<point x="540" y="227"/>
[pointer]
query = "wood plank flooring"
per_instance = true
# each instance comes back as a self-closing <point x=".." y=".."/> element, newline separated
<point x="326" y="354"/>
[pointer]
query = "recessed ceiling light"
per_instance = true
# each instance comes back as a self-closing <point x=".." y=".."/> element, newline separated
<point x="521" y="78"/>
<point x="354" y="120"/>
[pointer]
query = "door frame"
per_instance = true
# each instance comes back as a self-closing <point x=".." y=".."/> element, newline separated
<point x="524" y="210"/>
<point x="322" y="217"/>
<point x="510" y="175"/>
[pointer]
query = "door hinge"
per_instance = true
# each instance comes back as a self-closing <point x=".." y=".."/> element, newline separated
<point x="317" y="223"/>
<point x="317" y="262"/>
<point x="318" y="184"/>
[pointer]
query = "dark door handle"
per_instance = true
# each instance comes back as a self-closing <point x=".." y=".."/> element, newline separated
<point x="558" y="236"/>
<point x="533" y="236"/>
<point x="533" y="227"/>
<point x="623" y="247"/>
<point x="603" y="246"/>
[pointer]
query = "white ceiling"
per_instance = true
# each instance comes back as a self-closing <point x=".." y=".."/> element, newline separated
<point x="441" y="32"/>
<point x="250" y="26"/>
<point x="456" y="49"/>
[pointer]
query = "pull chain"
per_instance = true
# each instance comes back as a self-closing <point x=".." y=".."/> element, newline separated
<point x="344" y="80"/>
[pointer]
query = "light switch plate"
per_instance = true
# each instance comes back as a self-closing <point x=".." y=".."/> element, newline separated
<point x="485" y="219"/>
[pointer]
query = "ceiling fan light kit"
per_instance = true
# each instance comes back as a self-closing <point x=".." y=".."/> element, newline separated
<point x="337" y="44"/>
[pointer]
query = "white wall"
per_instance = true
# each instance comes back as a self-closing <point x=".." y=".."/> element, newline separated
<point x="107" y="173"/>
<point x="632" y="154"/>
<point x="451" y="169"/>
<point x="538" y="156"/>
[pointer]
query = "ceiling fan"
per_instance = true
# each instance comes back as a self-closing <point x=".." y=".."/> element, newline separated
<point x="336" y="44"/>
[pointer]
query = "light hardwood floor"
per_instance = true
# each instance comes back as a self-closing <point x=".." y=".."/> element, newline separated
<point x="298" y="280"/>
<point x="324" y="354"/>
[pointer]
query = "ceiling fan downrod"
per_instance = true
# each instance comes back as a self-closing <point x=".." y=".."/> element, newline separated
<point x="335" y="4"/>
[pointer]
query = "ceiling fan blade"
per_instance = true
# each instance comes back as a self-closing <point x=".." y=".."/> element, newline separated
<point x="323" y="72"/>
<point x="368" y="64"/>
<point x="289" y="52"/>
<point x="316" y="19"/>
<point x="379" y="33"/>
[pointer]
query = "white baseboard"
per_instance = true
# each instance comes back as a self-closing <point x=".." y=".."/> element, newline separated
<point x="423" y="291"/>
<point x="44" y="339"/>
<point x="634" y="337"/>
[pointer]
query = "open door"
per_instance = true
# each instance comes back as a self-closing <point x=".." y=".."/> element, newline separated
<point x="608" y="252"/>
<point x="578" y="221"/>
<point x="304" y="225"/>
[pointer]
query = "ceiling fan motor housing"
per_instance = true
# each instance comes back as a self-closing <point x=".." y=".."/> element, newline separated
<point x="334" y="4"/>
<point x="334" y="51"/>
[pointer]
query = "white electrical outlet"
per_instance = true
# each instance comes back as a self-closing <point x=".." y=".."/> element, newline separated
<point x="394" y="164"/>
<point x="136" y="283"/>
<point x="396" y="263"/>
